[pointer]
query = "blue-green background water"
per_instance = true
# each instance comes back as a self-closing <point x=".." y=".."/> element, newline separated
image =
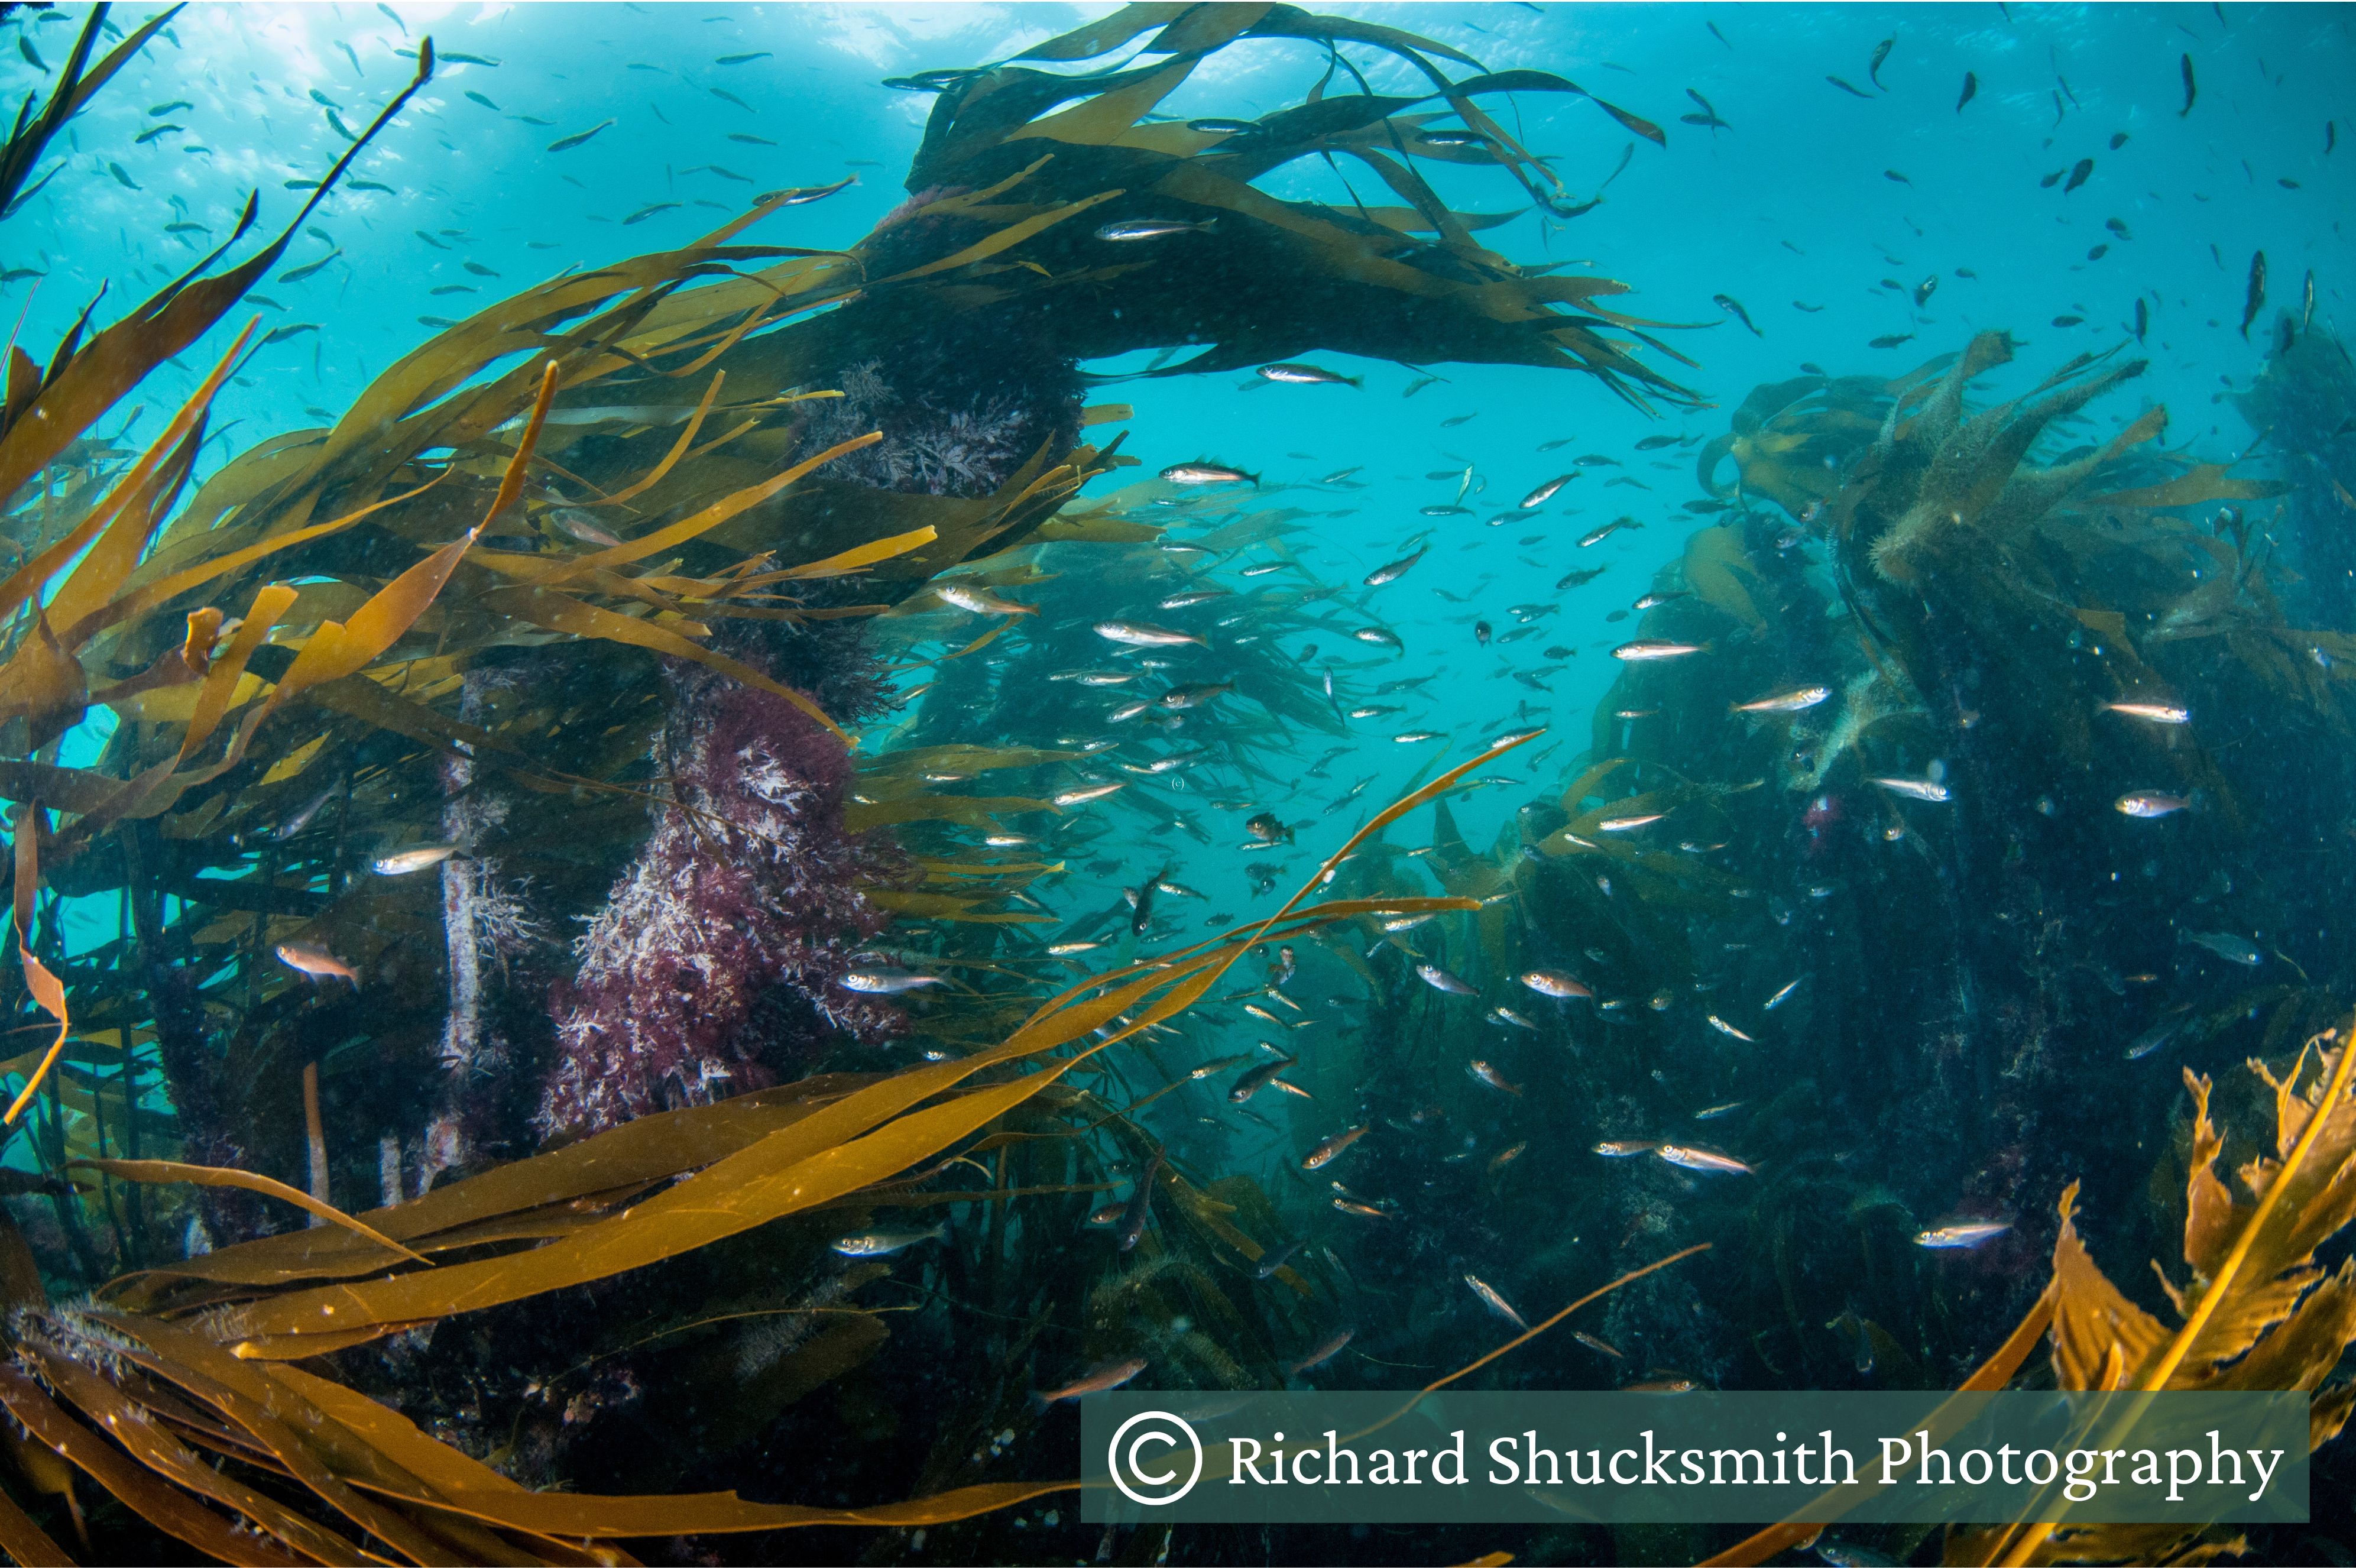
<point x="1795" y="203"/>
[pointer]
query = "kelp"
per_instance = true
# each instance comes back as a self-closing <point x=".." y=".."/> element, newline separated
<point x="132" y="1367"/>
<point x="1044" y="148"/>
<point x="2258" y="1312"/>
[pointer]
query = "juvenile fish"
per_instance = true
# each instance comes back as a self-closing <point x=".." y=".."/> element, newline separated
<point x="1483" y="1073"/>
<point x="1495" y="1303"/>
<point x="2224" y="944"/>
<point x="1179" y="698"/>
<point x="1545" y="492"/>
<point x="1097" y="1379"/>
<point x="1779" y="998"/>
<point x="1267" y="828"/>
<point x="1137" y="634"/>
<point x="1970" y="1234"/>
<point x="1381" y="638"/>
<point x="883" y="1243"/>
<point x="1651" y="648"/>
<point x="1331" y="1149"/>
<point x="1391" y="572"/>
<point x="885" y="981"/>
<point x="1440" y="978"/>
<point x="1252" y="1082"/>
<point x="1270" y="1262"/>
<point x="1733" y="307"/>
<point x="1707" y="1160"/>
<point x="1913" y="789"/>
<point x="1723" y="1027"/>
<point x="1194" y="597"/>
<point x="1554" y="983"/>
<point x="566" y="144"/>
<point x="315" y="962"/>
<point x="1204" y="473"/>
<point x="2151" y="713"/>
<point x="1308" y="376"/>
<point x="2149" y="803"/>
<point x="2256" y="300"/>
<point x="1154" y="228"/>
<point x="1622" y="1148"/>
<point x="1140" y="1204"/>
<point x="1598" y="536"/>
<point x="1655" y="600"/>
<point x="1331" y="1347"/>
<point x="1798" y="700"/>
<point x="401" y="863"/>
<point x="981" y="601"/>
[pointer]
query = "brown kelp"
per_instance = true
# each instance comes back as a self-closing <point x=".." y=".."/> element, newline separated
<point x="564" y="621"/>
<point x="2257" y="1311"/>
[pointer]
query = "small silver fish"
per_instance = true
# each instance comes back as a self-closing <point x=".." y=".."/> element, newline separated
<point x="1392" y="572"/>
<point x="1483" y="1073"/>
<point x="1331" y="1149"/>
<point x="1545" y="492"/>
<point x="1495" y="1303"/>
<point x="1966" y="1234"/>
<point x="881" y="981"/>
<point x="1651" y="648"/>
<point x="1694" y="1159"/>
<point x="1711" y="1113"/>
<point x="1554" y="984"/>
<point x="1154" y="228"/>
<point x="2149" y="803"/>
<point x="1628" y="824"/>
<point x="1271" y="1262"/>
<point x="1778" y="998"/>
<point x="1622" y="1148"/>
<point x="1207" y="474"/>
<point x="401" y="863"/>
<point x="583" y="527"/>
<point x="1137" y="634"/>
<point x="1507" y="1016"/>
<point x="883" y="1243"/>
<point x="1440" y="978"/>
<point x="2151" y="713"/>
<point x="980" y="600"/>
<point x="1798" y="700"/>
<point x="2225" y="945"/>
<point x="1723" y="1027"/>
<point x="1308" y="376"/>
<point x="1082" y="797"/>
<point x="1913" y="789"/>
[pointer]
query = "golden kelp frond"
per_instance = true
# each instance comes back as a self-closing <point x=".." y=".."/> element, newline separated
<point x="1790" y="439"/>
<point x="1022" y="170"/>
<point x="199" y="1352"/>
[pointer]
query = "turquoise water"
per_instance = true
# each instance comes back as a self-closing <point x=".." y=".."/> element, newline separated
<point x="1793" y="202"/>
<point x="1994" y="988"/>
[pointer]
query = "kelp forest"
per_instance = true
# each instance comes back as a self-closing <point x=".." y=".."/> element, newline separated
<point x="551" y="1021"/>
